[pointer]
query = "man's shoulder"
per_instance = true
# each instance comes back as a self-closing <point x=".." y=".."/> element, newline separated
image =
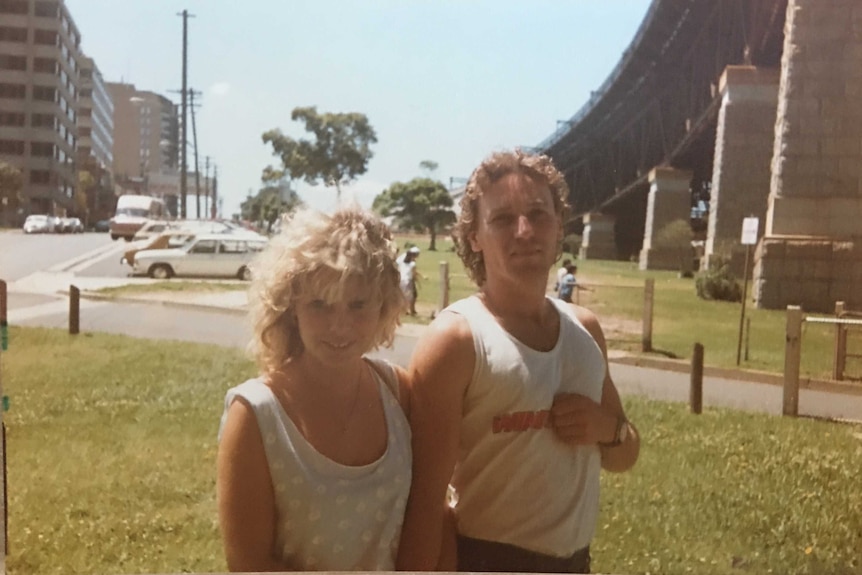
<point x="446" y="347"/>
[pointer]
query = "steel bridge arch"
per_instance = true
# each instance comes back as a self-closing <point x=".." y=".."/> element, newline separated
<point x="659" y="105"/>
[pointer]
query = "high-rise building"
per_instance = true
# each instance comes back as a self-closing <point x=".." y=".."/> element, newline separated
<point x="145" y="135"/>
<point x="39" y="52"/>
<point x="95" y="141"/>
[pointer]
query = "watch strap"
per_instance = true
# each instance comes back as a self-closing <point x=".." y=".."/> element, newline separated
<point x="618" y="439"/>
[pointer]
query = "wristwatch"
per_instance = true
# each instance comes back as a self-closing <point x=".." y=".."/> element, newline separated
<point x="620" y="435"/>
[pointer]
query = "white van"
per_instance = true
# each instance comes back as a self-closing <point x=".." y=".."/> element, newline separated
<point x="133" y="212"/>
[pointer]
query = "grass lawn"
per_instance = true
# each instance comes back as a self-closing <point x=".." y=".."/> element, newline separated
<point x="111" y="446"/>
<point x="680" y="318"/>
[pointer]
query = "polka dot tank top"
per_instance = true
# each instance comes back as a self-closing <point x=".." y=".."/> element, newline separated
<point x="333" y="517"/>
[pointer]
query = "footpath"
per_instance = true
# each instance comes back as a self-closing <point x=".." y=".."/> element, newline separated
<point x="639" y="374"/>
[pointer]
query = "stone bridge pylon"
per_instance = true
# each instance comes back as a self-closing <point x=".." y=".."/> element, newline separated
<point x="811" y="251"/>
<point x="761" y="103"/>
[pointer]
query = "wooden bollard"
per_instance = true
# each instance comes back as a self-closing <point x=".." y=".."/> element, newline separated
<point x="695" y="396"/>
<point x="747" y="336"/>
<point x="4" y="345"/>
<point x="74" y="310"/>
<point x="646" y="327"/>
<point x="4" y="325"/>
<point x="792" y="358"/>
<point x="443" y="302"/>
<point x="840" y="353"/>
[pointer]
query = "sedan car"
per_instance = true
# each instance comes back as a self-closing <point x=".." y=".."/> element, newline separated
<point x="152" y="229"/>
<point x="38" y="224"/>
<point x="168" y="239"/>
<point x="207" y="255"/>
<point x="70" y="226"/>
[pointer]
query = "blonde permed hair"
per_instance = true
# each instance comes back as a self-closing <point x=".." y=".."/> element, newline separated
<point x="316" y="253"/>
<point x="539" y="169"/>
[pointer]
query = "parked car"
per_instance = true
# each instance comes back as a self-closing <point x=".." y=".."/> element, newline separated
<point x="102" y="226"/>
<point x="152" y="229"/>
<point x="207" y="255"/>
<point x="38" y="224"/>
<point x="168" y="239"/>
<point x="70" y="226"/>
<point x="216" y="227"/>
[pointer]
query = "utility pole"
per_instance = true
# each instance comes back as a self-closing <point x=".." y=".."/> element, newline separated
<point x="216" y="203"/>
<point x="206" y="185"/>
<point x="197" y="168"/>
<point x="184" y="103"/>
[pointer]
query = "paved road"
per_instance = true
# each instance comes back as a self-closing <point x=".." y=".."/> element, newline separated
<point x="22" y="255"/>
<point x="155" y="321"/>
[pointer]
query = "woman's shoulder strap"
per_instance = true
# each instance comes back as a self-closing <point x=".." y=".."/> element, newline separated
<point x="387" y="373"/>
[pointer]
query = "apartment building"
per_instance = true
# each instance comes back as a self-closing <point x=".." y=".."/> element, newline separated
<point x="39" y="54"/>
<point x="96" y="140"/>
<point x="145" y="134"/>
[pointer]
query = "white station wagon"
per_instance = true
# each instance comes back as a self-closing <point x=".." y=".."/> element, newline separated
<point x="207" y="255"/>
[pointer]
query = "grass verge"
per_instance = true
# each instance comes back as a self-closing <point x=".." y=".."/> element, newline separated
<point x="202" y="286"/>
<point x="111" y="447"/>
<point x="680" y="318"/>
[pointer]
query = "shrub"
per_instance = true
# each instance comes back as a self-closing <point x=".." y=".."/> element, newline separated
<point x="718" y="282"/>
<point x="572" y="244"/>
<point x="676" y="237"/>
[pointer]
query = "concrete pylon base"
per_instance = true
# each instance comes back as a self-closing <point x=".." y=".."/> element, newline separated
<point x="598" y="252"/>
<point x="812" y="272"/>
<point x="598" y="243"/>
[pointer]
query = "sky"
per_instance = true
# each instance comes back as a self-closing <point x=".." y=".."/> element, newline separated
<point x="443" y="80"/>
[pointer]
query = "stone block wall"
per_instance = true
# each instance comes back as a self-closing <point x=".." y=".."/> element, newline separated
<point x="743" y="150"/>
<point x="810" y="254"/>
<point x="812" y="273"/>
<point x="598" y="239"/>
<point x="669" y="199"/>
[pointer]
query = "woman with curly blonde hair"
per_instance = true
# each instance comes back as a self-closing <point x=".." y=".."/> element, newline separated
<point x="314" y="462"/>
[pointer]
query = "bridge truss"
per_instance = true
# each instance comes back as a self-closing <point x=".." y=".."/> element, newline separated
<point x="659" y="105"/>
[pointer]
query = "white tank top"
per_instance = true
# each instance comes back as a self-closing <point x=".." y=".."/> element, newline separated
<point x="333" y="517"/>
<point x="516" y="482"/>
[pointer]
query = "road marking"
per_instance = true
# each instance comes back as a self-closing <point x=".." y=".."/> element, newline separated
<point x="61" y="306"/>
<point x="87" y="259"/>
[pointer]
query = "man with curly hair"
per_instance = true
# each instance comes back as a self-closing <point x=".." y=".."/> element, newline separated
<point x="511" y="399"/>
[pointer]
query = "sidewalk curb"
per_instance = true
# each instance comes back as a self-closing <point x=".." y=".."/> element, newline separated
<point x="403" y="330"/>
<point x="161" y="302"/>
<point x="777" y="379"/>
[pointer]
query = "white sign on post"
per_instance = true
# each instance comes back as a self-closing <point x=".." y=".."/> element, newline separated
<point x="749" y="231"/>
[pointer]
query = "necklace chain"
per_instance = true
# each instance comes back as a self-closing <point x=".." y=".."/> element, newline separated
<point x="348" y="417"/>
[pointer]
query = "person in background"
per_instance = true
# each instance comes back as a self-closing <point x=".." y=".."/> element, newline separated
<point x="564" y="269"/>
<point x="511" y="399"/>
<point x="409" y="274"/>
<point x="314" y="459"/>
<point x="568" y="283"/>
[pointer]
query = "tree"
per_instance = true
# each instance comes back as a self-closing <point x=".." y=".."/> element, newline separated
<point x="10" y="188"/>
<point x="86" y="186"/>
<point x="338" y="154"/>
<point x="270" y="202"/>
<point x="422" y="204"/>
<point x="429" y="167"/>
